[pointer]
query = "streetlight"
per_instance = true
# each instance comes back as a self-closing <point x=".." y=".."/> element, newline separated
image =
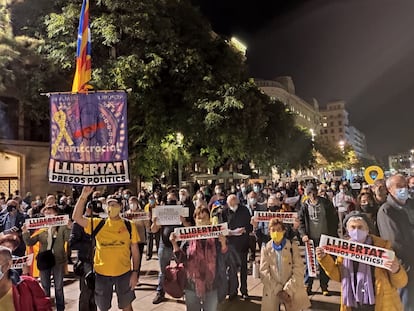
<point x="341" y="145"/>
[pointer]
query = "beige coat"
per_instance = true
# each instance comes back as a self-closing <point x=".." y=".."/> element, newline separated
<point x="289" y="278"/>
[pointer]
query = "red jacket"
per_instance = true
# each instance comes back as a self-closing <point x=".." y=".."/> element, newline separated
<point x="29" y="296"/>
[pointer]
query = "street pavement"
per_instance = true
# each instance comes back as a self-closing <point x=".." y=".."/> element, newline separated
<point x="145" y="292"/>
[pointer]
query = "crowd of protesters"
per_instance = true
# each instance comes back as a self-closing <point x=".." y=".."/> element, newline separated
<point x="381" y="214"/>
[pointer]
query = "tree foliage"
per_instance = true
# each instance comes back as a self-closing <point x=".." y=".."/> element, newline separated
<point x="184" y="79"/>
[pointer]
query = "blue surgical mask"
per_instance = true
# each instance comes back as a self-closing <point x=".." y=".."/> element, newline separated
<point x="401" y="194"/>
<point x="256" y="189"/>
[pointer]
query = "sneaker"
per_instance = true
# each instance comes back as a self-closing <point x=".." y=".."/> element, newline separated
<point x="158" y="299"/>
<point x="326" y="292"/>
<point x="245" y="297"/>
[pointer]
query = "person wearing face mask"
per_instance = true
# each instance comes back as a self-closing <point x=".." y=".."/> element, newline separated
<point x="218" y="196"/>
<point x="19" y="293"/>
<point x="262" y="228"/>
<point x="238" y="219"/>
<point x="242" y="194"/>
<point x="252" y="206"/>
<point x="366" y="204"/>
<point x="281" y="272"/>
<point x="114" y="237"/>
<point x="342" y="202"/>
<point x="410" y="201"/>
<point x="394" y="226"/>
<point x="260" y="196"/>
<point x="364" y="287"/>
<point x="51" y="238"/>
<point x="165" y="250"/>
<point x="141" y="225"/>
<point x="205" y="288"/>
<point x="11" y="220"/>
<point x="148" y="208"/>
<point x="317" y="216"/>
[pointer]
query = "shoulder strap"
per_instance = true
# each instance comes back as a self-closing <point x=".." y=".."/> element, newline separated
<point x="98" y="228"/>
<point x="128" y="225"/>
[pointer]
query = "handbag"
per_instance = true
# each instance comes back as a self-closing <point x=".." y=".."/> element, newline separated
<point x="45" y="260"/>
<point x="175" y="280"/>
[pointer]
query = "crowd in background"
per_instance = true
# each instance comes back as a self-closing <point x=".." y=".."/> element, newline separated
<point x="387" y="208"/>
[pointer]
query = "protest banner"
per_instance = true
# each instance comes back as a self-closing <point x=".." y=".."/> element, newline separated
<point x="287" y="218"/>
<point x="45" y="222"/>
<point x="364" y="253"/>
<point x="136" y="215"/>
<point x="20" y="262"/>
<point x="89" y="142"/>
<point x="292" y="200"/>
<point x="310" y="258"/>
<point x="170" y="214"/>
<point x="201" y="232"/>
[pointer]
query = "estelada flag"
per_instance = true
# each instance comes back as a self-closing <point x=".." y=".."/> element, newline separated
<point x="83" y="52"/>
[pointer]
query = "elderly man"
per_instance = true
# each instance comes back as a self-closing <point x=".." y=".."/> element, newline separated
<point x="394" y="226"/>
<point x="317" y="216"/>
<point x="238" y="218"/>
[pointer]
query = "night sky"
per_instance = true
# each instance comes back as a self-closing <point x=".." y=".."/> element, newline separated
<point x="360" y="51"/>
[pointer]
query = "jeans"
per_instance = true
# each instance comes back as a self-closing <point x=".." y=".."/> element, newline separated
<point x="165" y="254"/>
<point x="194" y="303"/>
<point x="58" y="274"/>
<point x="150" y="242"/>
<point x="323" y="277"/>
<point x="233" y="278"/>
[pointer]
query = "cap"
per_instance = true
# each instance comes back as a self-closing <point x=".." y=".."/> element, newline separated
<point x="356" y="214"/>
<point x="112" y="200"/>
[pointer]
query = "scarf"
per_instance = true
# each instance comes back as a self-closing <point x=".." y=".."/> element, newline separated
<point x="357" y="288"/>
<point x="280" y="246"/>
<point x="201" y="265"/>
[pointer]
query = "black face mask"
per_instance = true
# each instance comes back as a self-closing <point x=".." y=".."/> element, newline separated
<point x="11" y="208"/>
<point x="368" y="208"/>
<point x="274" y="208"/>
<point x="172" y="202"/>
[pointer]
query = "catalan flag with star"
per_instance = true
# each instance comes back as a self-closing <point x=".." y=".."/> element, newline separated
<point x="83" y="52"/>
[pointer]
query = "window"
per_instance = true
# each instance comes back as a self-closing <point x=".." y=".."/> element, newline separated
<point x="332" y="131"/>
<point x="331" y="123"/>
<point x="339" y="123"/>
<point x="340" y="130"/>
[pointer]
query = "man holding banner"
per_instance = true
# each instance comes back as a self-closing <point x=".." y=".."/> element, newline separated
<point x="317" y="216"/>
<point x="368" y="274"/>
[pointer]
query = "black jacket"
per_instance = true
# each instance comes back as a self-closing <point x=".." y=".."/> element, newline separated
<point x="238" y="219"/>
<point x="394" y="226"/>
<point x="331" y="217"/>
<point x="82" y="242"/>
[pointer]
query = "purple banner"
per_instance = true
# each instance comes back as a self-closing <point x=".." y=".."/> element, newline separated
<point x="89" y="138"/>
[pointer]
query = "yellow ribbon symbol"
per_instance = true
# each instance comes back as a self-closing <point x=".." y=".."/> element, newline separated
<point x="60" y="118"/>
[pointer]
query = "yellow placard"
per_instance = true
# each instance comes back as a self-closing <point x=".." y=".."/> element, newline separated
<point x="373" y="169"/>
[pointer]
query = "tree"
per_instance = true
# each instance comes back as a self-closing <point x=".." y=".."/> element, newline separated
<point x="184" y="79"/>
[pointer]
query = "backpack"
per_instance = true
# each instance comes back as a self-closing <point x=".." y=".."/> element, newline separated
<point x="102" y="223"/>
<point x="32" y="296"/>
